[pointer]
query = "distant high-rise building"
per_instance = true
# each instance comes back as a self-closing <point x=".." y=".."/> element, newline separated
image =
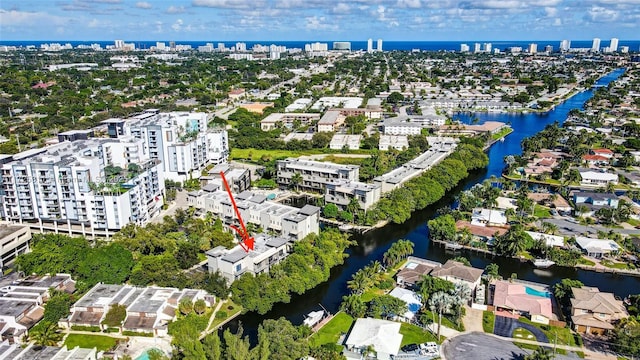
<point x="613" y="46"/>
<point x="342" y="45"/>
<point x="379" y="44"/>
<point x="161" y="45"/>
<point x="532" y="48"/>
<point x="316" y="47"/>
<point x="370" y="45"/>
<point x="548" y="49"/>
<point x="172" y="45"/>
<point x="476" y="48"/>
<point x="241" y="46"/>
<point x="487" y="47"/>
<point x="624" y="49"/>
<point x="565" y="45"/>
<point x="464" y="48"/>
<point x="595" y="47"/>
<point x="119" y="44"/>
<point x="221" y="47"/>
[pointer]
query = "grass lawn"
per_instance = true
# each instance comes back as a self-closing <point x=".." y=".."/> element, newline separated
<point x="504" y="132"/>
<point x="522" y="333"/>
<point x="329" y="334"/>
<point x="344" y="160"/>
<point x="541" y="212"/>
<point x="445" y="321"/>
<point x="370" y="294"/>
<point x="615" y="265"/>
<point x="230" y="308"/>
<point x="488" y="320"/>
<point x="101" y="342"/>
<point x="413" y="334"/>
<point x="633" y="222"/>
<point x="585" y="261"/>
<point x="257" y="154"/>
<point x="565" y="336"/>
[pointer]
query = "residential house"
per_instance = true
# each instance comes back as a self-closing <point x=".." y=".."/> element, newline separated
<point x="384" y="336"/>
<point x="232" y="263"/>
<point x="594" y="201"/>
<point x="459" y="273"/>
<point x="595" y="160"/>
<point x="595" y="312"/>
<point x="342" y="193"/>
<point x="483" y="233"/>
<point x="597" y="178"/>
<point x="603" y="152"/>
<point x="315" y="174"/>
<point x="524" y="299"/>
<point x="549" y="240"/>
<point x="13" y="351"/>
<point x="488" y="217"/>
<point x="413" y="300"/>
<point x="597" y="248"/>
<point x="413" y="271"/>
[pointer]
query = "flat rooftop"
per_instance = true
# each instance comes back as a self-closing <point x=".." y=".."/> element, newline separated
<point x="7" y="230"/>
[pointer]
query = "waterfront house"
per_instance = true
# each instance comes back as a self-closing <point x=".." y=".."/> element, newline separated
<point x="524" y="299"/>
<point x="595" y="312"/>
<point x="384" y="336"/>
<point x="459" y="273"/>
<point x="488" y="217"/>
<point x="413" y="300"/>
<point x="597" y="248"/>
<point x="413" y="271"/>
<point x="549" y="240"/>
<point x="594" y="201"/>
<point x="595" y="160"/>
<point x="486" y="234"/>
<point x="597" y="178"/>
<point x="603" y="152"/>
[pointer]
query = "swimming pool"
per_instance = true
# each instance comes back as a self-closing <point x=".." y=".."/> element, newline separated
<point x="145" y="354"/>
<point x="534" y="292"/>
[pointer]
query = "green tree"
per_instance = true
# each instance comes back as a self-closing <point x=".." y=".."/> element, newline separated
<point x="186" y="254"/>
<point x="46" y="333"/>
<point x="211" y="346"/>
<point x="57" y="307"/>
<point x="443" y="228"/>
<point x="353" y="305"/>
<point x="562" y="290"/>
<point x="235" y="346"/>
<point x="330" y="211"/>
<point x="492" y="271"/>
<point x="115" y="316"/>
<point x="285" y="340"/>
<point x="386" y="306"/>
<point x="441" y="303"/>
<point x="541" y="353"/>
<point x="395" y="97"/>
<point x="185" y="306"/>
<point x="200" y="306"/>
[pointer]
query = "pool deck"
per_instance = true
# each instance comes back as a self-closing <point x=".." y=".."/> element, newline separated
<point x="138" y="345"/>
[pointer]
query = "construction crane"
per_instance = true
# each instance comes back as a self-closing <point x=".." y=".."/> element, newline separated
<point x="247" y="241"/>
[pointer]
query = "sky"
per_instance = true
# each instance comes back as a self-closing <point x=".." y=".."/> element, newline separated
<point x="324" y="20"/>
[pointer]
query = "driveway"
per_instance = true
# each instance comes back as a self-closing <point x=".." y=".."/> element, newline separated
<point x="572" y="227"/>
<point x="505" y="326"/>
<point x="480" y="346"/>
<point x="472" y="319"/>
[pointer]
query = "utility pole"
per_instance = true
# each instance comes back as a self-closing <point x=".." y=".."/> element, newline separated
<point x="555" y="343"/>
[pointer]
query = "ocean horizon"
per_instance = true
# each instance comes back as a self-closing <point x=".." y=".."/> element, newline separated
<point x="634" y="45"/>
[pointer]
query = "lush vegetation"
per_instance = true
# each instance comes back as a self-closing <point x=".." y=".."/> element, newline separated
<point x="488" y="321"/>
<point x="100" y="342"/>
<point x="307" y="266"/>
<point x="331" y="331"/>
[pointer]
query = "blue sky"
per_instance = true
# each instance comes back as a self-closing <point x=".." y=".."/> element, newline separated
<point x="281" y="20"/>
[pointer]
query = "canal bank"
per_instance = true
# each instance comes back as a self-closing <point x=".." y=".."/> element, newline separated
<point x="372" y="245"/>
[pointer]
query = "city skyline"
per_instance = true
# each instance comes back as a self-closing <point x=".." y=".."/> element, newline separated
<point x="297" y="20"/>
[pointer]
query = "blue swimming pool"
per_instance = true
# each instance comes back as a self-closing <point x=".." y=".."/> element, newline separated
<point x="145" y="354"/>
<point x="535" y="292"/>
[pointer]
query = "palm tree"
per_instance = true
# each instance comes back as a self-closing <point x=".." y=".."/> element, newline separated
<point x="369" y="351"/>
<point x="441" y="303"/>
<point x="541" y="353"/>
<point x="296" y="180"/>
<point x="200" y="306"/>
<point x="549" y="228"/>
<point x="46" y="334"/>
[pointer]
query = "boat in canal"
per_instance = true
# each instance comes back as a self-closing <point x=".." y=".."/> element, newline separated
<point x="452" y="246"/>
<point x="543" y="263"/>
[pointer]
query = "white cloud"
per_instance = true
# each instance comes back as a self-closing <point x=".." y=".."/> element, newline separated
<point x="175" y="9"/>
<point x="341" y="8"/>
<point x="318" y="23"/>
<point x="601" y="14"/>
<point x="143" y="5"/>
<point x="414" y="4"/>
<point x="177" y="26"/>
<point x="550" y="11"/>
<point x="26" y="18"/>
<point x="226" y="4"/>
<point x="557" y="22"/>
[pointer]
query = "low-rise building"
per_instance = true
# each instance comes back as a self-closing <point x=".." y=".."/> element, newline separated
<point x="14" y="241"/>
<point x="13" y="351"/>
<point x="233" y="263"/>
<point x="413" y="271"/>
<point x="549" y="240"/>
<point x="384" y="336"/>
<point x="391" y="127"/>
<point x="288" y="120"/>
<point x="597" y="178"/>
<point x="331" y="121"/>
<point x="595" y="312"/>
<point x="342" y="193"/>
<point x="525" y="299"/>
<point x="594" y="201"/>
<point x="342" y="141"/>
<point x="483" y="233"/>
<point x="488" y="217"/>
<point x="398" y="142"/>
<point x="413" y="301"/>
<point x="597" y="248"/>
<point x="149" y="310"/>
<point x="459" y="273"/>
<point x="314" y="175"/>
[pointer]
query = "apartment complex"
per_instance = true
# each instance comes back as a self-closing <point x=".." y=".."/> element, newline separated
<point x="182" y="141"/>
<point x="14" y="241"/>
<point x="149" y="309"/>
<point x="232" y="263"/>
<point x="287" y="120"/>
<point x="91" y="187"/>
<point x="22" y="303"/>
<point x="290" y="222"/>
<point x="342" y="193"/>
<point x="313" y="175"/>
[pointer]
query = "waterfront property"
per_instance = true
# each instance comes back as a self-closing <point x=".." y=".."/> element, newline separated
<point x="384" y="336"/>
<point x="232" y="263"/>
<point x="597" y="248"/>
<point x="595" y="312"/>
<point x="14" y="241"/>
<point x="315" y="175"/>
<point x="13" y="351"/>
<point x="342" y="193"/>
<point x="413" y="271"/>
<point x="525" y="299"/>
<point x="22" y="303"/>
<point x="482" y="233"/>
<point x="597" y="178"/>
<point x="488" y="217"/>
<point x="149" y="310"/>
<point x="459" y="273"/>
<point x="548" y="239"/>
<point x="413" y="300"/>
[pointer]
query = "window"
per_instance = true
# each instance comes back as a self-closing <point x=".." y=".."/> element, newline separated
<point x="602" y="315"/>
<point x="238" y="267"/>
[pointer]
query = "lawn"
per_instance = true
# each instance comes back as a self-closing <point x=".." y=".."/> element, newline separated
<point x="522" y="333"/>
<point x="585" y="261"/>
<point x="501" y="133"/>
<point x="488" y="320"/>
<point x="565" y="336"/>
<point x="101" y="342"/>
<point x="541" y="212"/>
<point x="413" y="334"/>
<point x="257" y="154"/>
<point x="330" y="332"/>
<point x="230" y="308"/>
<point x="445" y="321"/>
<point x="633" y="222"/>
<point x="615" y="265"/>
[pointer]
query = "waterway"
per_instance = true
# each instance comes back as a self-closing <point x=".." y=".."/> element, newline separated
<point x="372" y="245"/>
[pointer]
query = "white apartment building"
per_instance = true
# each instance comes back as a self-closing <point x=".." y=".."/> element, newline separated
<point x="342" y="193"/>
<point x="232" y="263"/>
<point x="315" y="175"/>
<point x="290" y="222"/>
<point x="90" y="187"/>
<point x="398" y="142"/>
<point x="340" y="141"/>
<point x="182" y="141"/>
<point x="287" y="120"/>
<point x="401" y="128"/>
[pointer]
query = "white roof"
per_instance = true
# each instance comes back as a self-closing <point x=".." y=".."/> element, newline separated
<point x="550" y="240"/>
<point x="411" y="298"/>
<point x="383" y="335"/>
<point x="597" y="245"/>
<point x="313" y="318"/>
<point x="481" y="216"/>
<point x="595" y="175"/>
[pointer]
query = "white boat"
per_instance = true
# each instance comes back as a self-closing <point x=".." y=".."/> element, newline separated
<point x="452" y="246"/>
<point x="542" y="263"/>
<point x="313" y="318"/>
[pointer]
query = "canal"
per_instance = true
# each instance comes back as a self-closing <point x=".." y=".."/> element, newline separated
<point x="372" y="245"/>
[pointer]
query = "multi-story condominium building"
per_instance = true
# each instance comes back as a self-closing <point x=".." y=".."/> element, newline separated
<point x="313" y="175"/>
<point x="342" y="193"/>
<point x="287" y="120"/>
<point x="290" y="222"/>
<point x="182" y="141"/>
<point x="89" y="187"/>
<point x="14" y="241"/>
<point x="148" y="309"/>
<point x="232" y="263"/>
<point x="401" y="128"/>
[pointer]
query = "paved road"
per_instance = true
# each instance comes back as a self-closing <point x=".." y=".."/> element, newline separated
<point x="479" y="346"/>
<point x="570" y="227"/>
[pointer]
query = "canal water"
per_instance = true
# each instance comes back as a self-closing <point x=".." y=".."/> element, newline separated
<point x="372" y="245"/>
